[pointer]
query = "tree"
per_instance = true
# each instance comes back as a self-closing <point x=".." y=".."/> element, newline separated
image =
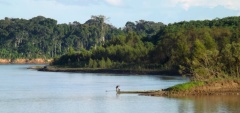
<point x="71" y="51"/>
<point x="108" y="63"/>
<point x="91" y="63"/>
<point x="102" y="63"/>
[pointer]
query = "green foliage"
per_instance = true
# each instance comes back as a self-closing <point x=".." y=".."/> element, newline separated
<point x="109" y="63"/>
<point x="209" y="42"/>
<point x="90" y="63"/>
<point x="95" y="64"/>
<point x="185" y="86"/>
<point x="201" y="49"/>
<point x="71" y="51"/>
<point x="43" y="37"/>
<point x="231" y="58"/>
<point x="102" y="63"/>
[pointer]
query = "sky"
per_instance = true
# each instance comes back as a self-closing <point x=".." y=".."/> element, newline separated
<point x="120" y="11"/>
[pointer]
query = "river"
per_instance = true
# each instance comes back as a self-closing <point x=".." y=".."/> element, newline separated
<point x="30" y="91"/>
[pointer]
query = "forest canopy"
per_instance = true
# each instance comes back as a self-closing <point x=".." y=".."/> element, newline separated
<point x="43" y="37"/>
<point x="202" y="49"/>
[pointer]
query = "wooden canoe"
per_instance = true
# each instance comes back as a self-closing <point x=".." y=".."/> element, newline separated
<point x="137" y="92"/>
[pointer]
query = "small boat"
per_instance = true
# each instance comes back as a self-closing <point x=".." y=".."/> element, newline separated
<point x="134" y="92"/>
<point x="137" y="92"/>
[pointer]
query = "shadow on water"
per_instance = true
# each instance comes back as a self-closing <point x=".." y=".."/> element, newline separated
<point x="209" y="104"/>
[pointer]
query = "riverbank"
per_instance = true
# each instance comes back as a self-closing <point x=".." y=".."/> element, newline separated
<point x="219" y="87"/>
<point x="210" y="88"/>
<point x="25" y="61"/>
<point x="101" y="70"/>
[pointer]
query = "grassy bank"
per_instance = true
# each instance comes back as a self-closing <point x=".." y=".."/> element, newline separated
<point x="185" y="86"/>
<point x="229" y="86"/>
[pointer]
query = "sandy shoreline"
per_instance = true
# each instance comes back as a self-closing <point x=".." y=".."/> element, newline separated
<point x="25" y="61"/>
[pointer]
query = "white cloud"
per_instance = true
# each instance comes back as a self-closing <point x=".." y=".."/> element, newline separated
<point x="229" y="4"/>
<point x="115" y="2"/>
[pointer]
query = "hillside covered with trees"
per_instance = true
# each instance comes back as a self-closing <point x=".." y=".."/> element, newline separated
<point x="201" y="49"/>
<point x="43" y="37"/>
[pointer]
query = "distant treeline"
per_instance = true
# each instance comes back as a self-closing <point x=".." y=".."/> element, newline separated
<point x="202" y="49"/>
<point x="43" y="37"/>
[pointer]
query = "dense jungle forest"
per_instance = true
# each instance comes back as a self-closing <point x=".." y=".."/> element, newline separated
<point x="202" y="49"/>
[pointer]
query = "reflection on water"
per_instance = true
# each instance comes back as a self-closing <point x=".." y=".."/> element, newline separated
<point x="209" y="104"/>
<point x="29" y="91"/>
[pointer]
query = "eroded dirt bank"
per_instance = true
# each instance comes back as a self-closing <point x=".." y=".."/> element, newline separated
<point x="223" y="87"/>
<point x="25" y="61"/>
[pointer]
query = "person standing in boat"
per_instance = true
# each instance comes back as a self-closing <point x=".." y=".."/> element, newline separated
<point x="117" y="88"/>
